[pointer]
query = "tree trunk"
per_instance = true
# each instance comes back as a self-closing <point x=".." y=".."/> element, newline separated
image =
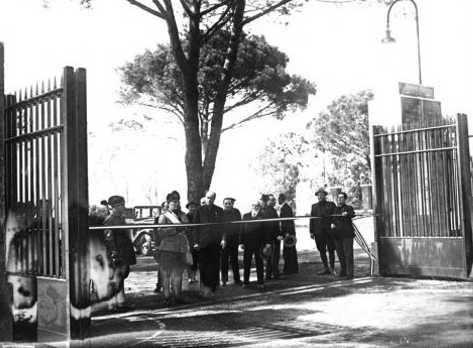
<point x="221" y="97"/>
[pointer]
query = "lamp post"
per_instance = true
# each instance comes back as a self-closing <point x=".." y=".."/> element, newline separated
<point x="390" y="39"/>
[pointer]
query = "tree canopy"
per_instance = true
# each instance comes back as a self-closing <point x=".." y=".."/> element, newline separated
<point x="342" y="131"/>
<point x="260" y="83"/>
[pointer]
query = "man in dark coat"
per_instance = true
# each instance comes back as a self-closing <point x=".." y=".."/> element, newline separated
<point x="253" y="239"/>
<point x="344" y="234"/>
<point x="272" y="262"/>
<point x="288" y="230"/>
<point x="119" y="243"/>
<point x="320" y="230"/>
<point x="207" y="241"/>
<point x="230" y="241"/>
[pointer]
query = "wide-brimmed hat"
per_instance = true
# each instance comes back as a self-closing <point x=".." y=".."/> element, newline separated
<point x="321" y="190"/>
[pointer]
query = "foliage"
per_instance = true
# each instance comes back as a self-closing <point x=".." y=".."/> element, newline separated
<point x="342" y="132"/>
<point x="259" y="81"/>
<point x="279" y="166"/>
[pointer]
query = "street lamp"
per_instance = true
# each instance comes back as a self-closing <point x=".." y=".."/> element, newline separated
<point x="390" y="39"/>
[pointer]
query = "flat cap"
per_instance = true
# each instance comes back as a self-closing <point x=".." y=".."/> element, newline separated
<point x="229" y="199"/>
<point x="321" y="190"/>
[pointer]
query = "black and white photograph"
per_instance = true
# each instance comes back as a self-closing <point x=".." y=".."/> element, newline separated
<point x="236" y="173"/>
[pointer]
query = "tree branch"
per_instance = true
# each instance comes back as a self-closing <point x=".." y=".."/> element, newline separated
<point x="213" y="8"/>
<point x="186" y="8"/>
<point x="176" y="44"/>
<point x="147" y="9"/>
<point x="219" y="23"/>
<point x="159" y="6"/>
<point x="262" y="13"/>
<point x="258" y="114"/>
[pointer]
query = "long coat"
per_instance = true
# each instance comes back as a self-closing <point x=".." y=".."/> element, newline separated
<point x="208" y="235"/>
<point x="119" y="240"/>
<point x="323" y="210"/>
<point x="287" y="226"/>
<point x="255" y="234"/>
<point x="173" y="238"/>
<point x="231" y="232"/>
<point x="271" y="226"/>
<point x="343" y="224"/>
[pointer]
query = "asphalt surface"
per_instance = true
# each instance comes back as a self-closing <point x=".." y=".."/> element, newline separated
<point x="303" y="310"/>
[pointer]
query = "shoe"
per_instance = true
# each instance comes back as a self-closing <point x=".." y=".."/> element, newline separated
<point x="238" y="282"/>
<point x="158" y="288"/>
<point x="324" y="272"/>
<point x="268" y="277"/>
<point x="332" y="272"/>
<point x="260" y="287"/>
<point x="342" y="274"/>
<point x="245" y="285"/>
<point x="224" y="284"/>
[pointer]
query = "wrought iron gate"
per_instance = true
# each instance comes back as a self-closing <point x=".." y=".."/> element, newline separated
<point x="423" y="199"/>
<point x="46" y="193"/>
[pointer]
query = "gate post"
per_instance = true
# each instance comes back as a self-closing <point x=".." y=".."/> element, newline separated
<point x="376" y="195"/>
<point x="465" y="184"/>
<point x="5" y="317"/>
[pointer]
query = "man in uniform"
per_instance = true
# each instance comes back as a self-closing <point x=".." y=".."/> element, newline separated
<point x="207" y="241"/>
<point x="272" y="262"/>
<point x="118" y="241"/>
<point x="230" y="240"/>
<point x="344" y="235"/>
<point x="320" y="230"/>
<point x="288" y="230"/>
<point x="254" y="238"/>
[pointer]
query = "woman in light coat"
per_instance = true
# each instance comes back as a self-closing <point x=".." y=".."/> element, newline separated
<point x="172" y="250"/>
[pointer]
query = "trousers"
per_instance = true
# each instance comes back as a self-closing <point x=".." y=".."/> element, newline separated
<point x="230" y="256"/>
<point x="247" y="258"/>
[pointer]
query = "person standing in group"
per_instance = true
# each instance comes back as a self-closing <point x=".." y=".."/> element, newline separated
<point x="207" y="241"/>
<point x="172" y="250"/>
<point x="254" y="238"/>
<point x="203" y="201"/>
<point x="344" y="234"/>
<point x="288" y="230"/>
<point x="272" y="262"/>
<point x="119" y="243"/>
<point x="191" y="209"/>
<point x="230" y="241"/>
<point x="320" y="230"/>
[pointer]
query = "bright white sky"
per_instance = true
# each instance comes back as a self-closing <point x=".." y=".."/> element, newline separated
<point x="336" y="46"/>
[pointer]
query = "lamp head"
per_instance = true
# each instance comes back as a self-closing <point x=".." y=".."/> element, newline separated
<point x="388" y="38"/>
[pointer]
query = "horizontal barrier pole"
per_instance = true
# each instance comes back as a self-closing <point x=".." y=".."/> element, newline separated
<point x="414" y="130"/>
<point x="141" y="226"/>
<point x="415" y="151"/>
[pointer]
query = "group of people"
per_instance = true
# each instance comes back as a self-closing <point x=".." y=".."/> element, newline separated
<point x="332" y="229"/>
<point x="211" y="246"/>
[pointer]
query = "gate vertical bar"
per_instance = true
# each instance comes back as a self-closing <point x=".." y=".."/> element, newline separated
<point x="465" y="184"/>
<point x="5" y="318"/>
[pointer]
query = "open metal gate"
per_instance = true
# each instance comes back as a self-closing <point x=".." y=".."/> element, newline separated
<point x="46" y="204"/>
<point x="423" y="199"/>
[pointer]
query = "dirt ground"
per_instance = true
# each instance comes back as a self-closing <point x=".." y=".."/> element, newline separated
<point x="303" y="310"/>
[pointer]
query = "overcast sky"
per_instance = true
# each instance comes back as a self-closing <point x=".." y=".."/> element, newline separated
<point x="336" y="46"/>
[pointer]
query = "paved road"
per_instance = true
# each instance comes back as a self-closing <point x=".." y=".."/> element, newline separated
<point x="299" y="311"/>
